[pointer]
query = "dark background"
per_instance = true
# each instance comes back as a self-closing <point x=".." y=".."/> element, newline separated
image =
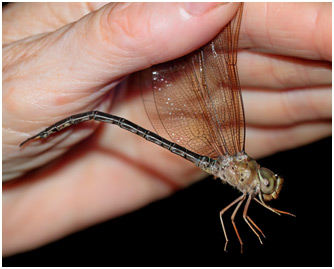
<point x="184" y="229"/>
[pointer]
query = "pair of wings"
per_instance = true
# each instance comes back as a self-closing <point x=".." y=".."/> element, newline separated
<point x="195" y="101"/>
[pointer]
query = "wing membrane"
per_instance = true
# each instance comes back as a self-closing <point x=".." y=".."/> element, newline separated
<point x="196" y="101"/>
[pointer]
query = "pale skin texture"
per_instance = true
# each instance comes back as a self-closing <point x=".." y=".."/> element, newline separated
<point x="63" y="62"/>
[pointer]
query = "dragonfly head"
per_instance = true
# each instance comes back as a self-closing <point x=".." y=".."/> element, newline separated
<point x="270" y="184"/>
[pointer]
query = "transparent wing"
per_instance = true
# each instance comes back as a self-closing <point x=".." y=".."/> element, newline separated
<point x="195" y="101"/>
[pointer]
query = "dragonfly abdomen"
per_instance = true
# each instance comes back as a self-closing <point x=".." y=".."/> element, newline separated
<point x="193" y="157"/>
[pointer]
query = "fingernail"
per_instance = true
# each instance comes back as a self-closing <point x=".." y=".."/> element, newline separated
<point x="196" y="8"/>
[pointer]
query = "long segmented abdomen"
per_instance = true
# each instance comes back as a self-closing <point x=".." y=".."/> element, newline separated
<point x="195" y="158"/>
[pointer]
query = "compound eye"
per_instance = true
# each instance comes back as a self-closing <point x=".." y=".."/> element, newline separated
<point x="268" y="181"/>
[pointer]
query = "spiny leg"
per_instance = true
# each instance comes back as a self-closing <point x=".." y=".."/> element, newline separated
<point x="246" y="218"/>
<point x="278" y="212"/>
<point x="242" y="197"/>
<point x="257" y="227"/>
<point x="232" y="219"/>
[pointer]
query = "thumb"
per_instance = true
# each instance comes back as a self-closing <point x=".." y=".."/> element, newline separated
<point x="66" y="71"/>
<point x="69" y="64"/>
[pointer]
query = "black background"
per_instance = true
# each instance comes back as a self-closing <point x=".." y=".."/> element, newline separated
<point x="184" y="229"/>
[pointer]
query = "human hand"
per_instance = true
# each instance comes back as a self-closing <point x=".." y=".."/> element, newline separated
<point x="112" y="172"/>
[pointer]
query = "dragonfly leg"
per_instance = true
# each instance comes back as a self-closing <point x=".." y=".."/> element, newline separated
<point x="246" y="218"/>
<point x="278" y="212"/>
<point x="241" y="198"/>
<point x="232" y="219"/>
<point x="257" y="227"/>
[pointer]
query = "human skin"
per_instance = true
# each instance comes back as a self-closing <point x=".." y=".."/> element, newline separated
<point x="63" y="62"/>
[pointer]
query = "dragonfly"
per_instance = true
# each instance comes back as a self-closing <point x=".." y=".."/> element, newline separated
<point x="195" y="106"/>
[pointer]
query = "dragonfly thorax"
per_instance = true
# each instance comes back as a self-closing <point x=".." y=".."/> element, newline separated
<point x="245" y="174"/>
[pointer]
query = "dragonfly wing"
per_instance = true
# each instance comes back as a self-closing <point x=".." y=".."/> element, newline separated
<point x="195" y="101"/>
<point x="222" y="80"/>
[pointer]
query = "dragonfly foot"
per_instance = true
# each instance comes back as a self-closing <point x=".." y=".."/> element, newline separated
<point x="225" y="248"/>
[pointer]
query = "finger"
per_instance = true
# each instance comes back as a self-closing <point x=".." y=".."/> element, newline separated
<point x="261" y="142"/>
<point x="267" y="71"/>
<point x="279" y="108"/>
<point x="294" y="29"/>
<point x="105" y="38"/>
<point x="21" y="20"/>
